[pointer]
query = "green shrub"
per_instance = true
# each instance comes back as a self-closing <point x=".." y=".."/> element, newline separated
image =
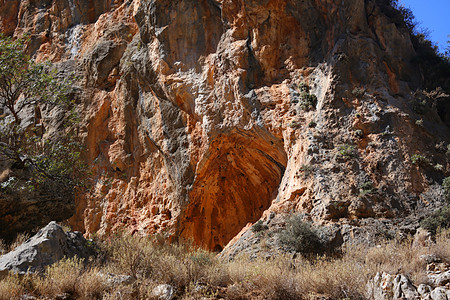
<point x="439" y="219"/>
<point x="347" y="151"/>
<point x="259" y="226"/>
<point x="366" y="188"/>
<point x="306" y="170"/>
<point x="439" y="167"/>
<point x="300" y="236"/>
<point x="303" y="87"/>
<point x="42" y="161"/>
<point x="308" y="101"/>
<point x="418" y="159"/>
<point x="312" y="124"/>
<point x="446" y="186"/>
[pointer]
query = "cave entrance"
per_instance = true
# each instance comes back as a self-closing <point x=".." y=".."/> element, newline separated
<point x="235" y="183"/>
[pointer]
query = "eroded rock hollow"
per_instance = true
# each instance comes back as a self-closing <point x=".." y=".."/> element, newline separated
<point x="235" y="184"/>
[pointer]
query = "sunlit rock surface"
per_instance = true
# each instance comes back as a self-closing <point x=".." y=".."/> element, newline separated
<point x="194" y="121"/>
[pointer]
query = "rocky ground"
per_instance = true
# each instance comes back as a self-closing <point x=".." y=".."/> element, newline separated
<point x="202" y="117"/>
<point x="55" y="264"/>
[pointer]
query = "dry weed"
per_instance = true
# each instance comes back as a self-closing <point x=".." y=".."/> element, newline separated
<point x="195" y="273"/>
<point x="61" y="277"/>
<point x="19" y="240"/>
<point x="11" y="287"/>
<point x="90" y="285"/>
<point x="3" y="247"/>
<point x="442" y="246"/>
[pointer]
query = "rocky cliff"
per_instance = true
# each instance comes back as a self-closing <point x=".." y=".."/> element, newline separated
<point x="201" y="117"/>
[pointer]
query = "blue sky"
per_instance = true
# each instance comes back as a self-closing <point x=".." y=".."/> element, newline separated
<point x="433" y="15"/>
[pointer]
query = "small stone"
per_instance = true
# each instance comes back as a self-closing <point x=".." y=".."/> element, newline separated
<point x="164" y="292"/>
<point x="443" y="278"/>
<point x="439" y="294"/>
<point x="423" y="289"/>
<point x="27" y="297"/>
<point x="380" y="287"/>
<point x="200" y="288"/>
<point x="114" y="280"/>
<point x="64" y="296"/>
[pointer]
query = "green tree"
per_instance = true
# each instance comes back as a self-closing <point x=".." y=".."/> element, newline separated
<point x="25" y="83"/>
<point x="300" y="236"/>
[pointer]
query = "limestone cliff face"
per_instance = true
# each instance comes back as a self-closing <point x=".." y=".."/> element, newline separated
<point x="194" y="115"/>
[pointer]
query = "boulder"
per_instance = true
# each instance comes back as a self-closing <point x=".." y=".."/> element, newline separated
<point x="381" y="287"/>
<point x="439" y="294"/>
<point x="386" y="286"/>
<point x="423" y="290"/>
<point x="443" y="278"/>
<point x="48" y="246"/>
<point x="403" y="288"/>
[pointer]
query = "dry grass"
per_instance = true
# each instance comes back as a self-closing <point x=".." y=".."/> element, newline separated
<point x="195" y="273"/>
<point x="72" y="277"/>
<point x="19" y="240"/>
<point x="11" y="287"/>
<point x="3" y="247"/>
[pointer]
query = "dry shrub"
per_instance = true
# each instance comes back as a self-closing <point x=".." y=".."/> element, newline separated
<point x="442" y="246"/>
<point x="3" y="247"/>
<point x="339" y="279"/>
<point x="398" y="257"/>
<point x="11" y="287"/>
<point x="287" y="278"/>
<point x="70" y="276"/>
<point x="336" y="278"/>
<point x="90" y="285"/>
<point x="272" y="279"/>
<point x="176" y="264"/>
<point x="125" y="254"/>
<point x="196" y="273"/>
<point x="18" y="240"/>
<point x="61" y="277"/>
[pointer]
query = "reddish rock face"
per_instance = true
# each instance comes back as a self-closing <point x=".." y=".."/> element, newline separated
<point x="234" y="185"/>
<point x="196" y="119"/>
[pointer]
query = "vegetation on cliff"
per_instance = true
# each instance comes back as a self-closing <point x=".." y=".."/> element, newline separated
<point x="41" y="164"/>
<point x="26" y="85"/>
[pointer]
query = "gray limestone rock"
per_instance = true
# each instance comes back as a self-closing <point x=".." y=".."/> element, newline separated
<point x="386" y="287"/>
<point x="164" y="292"/>
<point x="48" y="246"/>
<point x="439" y="294"/>
<point x="443" y="278"/>
<point x="423" y="290"/>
